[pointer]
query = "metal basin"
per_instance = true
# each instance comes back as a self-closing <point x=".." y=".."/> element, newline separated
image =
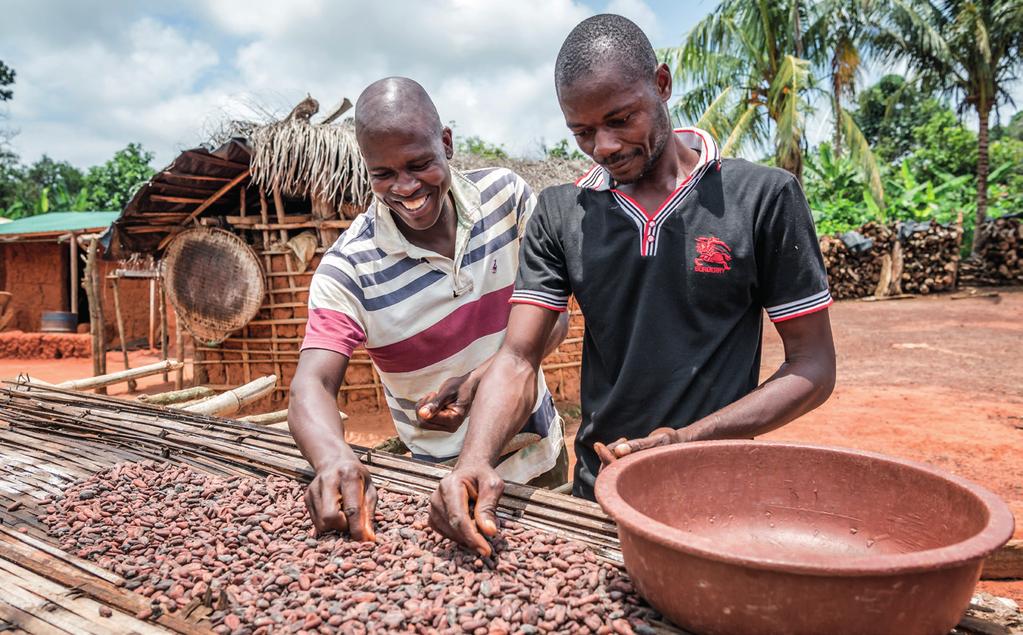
<point x="756" y="537"/>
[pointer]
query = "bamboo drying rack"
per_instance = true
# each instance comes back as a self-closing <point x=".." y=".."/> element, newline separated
<point x="51" y="437"/>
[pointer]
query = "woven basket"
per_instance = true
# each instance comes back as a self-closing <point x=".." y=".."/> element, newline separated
<point x="214" y="281"/>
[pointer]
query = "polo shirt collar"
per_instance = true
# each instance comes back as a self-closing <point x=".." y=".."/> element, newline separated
<point x="467" y="212"/>
<point x="599" y="179"/>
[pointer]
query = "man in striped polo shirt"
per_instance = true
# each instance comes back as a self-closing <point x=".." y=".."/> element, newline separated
<point x="673" y="255"/>
<point x="422" y="279"/>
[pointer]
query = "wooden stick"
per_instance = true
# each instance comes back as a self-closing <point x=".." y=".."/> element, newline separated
<point x="95" y="295"/>
<point x="179" y="351"/>
<point x="178" y="396"/>
<point x="276" y="417"/>
<point x="163" y="327"/>
<point x="152" y="314"/>
<point x="210" y="201"/>
<point x="75" y="282"/>
<point x="124" y="375"/>
<point x="233" y="400"/>
<point x="132" y="386"/>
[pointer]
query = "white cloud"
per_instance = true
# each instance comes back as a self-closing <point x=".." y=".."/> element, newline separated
<point x="93" y="77"/>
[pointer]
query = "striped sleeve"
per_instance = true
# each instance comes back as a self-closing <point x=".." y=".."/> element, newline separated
<point x="525" y="206"/>
<point x="542" y="278"/>
<point x="334" y="308"/>
<point x="791" y="277"/>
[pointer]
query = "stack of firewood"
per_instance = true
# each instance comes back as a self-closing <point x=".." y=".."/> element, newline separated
<point x="853" y="273"/>
<point x="901" y="258"/>
<point x="1000" y="258"/>
<point x="930" y="258"/>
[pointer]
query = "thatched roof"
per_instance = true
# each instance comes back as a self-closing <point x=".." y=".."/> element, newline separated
<point x="306" y="160"/>
<point x="539" y="174"/>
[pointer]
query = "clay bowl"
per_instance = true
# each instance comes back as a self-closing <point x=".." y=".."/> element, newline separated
<point x="755" y="537"/>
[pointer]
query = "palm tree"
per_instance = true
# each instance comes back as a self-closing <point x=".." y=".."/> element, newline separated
<point x="970" y="50"/>
<point x="747" y="71"/>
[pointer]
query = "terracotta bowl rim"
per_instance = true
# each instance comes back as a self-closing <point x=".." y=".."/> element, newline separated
<point x="997" y="531"/>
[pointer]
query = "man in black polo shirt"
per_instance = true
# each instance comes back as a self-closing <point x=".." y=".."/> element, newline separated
<point x="673" y="255"/>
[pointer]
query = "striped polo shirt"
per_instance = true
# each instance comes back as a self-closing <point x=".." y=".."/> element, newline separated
<point x="424" y="318"/>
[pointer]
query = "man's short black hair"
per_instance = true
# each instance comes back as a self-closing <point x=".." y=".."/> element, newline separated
<point x="601" y="40"/>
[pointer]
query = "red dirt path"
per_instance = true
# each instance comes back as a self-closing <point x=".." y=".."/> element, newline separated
<point x="930" y="379"/>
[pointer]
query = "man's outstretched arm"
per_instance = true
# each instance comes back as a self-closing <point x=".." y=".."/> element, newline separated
<point x="503" y="401"/>
<point x="803" y="382"/>
<point x="341" y="496"/>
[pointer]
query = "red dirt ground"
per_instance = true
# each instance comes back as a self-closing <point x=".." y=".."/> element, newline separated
<point x="930" y="379"/>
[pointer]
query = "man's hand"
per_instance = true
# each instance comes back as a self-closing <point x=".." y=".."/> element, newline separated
<point x="450" y="515"/>
<point x="446" y="409"/>
<point x="342" y="498"/>
<point x="610" y="453"/>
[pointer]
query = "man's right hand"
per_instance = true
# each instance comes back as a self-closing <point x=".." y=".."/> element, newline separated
<point x="341" y="497"/>
<point x="449" y="506"/>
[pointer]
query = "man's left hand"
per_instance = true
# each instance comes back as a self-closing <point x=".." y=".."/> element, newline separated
<point x="446" y="409"/>
<point x="623" y="447"/>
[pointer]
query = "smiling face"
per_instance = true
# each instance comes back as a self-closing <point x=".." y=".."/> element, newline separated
<point x="408" y="170"/>
<point x="622" y="124"/>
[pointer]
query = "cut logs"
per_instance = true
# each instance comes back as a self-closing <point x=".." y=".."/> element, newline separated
<point x="895" y="259"/>
<point x="1000" y="257"/>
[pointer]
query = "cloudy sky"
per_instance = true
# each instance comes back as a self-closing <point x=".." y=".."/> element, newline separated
<point x="95" y="75"/>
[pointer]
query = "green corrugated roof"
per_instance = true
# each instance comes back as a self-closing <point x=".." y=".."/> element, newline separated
<point x="59" y="222"/>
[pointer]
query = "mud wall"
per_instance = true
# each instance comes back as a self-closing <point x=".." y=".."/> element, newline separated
<point x="37" y="276"/>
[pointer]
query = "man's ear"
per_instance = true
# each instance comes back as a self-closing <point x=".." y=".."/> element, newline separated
<point x="662" y="79"/>
<point x="447" y="138"/>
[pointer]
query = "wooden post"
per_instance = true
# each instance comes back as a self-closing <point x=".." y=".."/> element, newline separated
<point x="199" y="374"/>
<point x="163" y="325"/>
<point x="94" y="291"/>
<point x="959" y="249"/>
<point x="114" y="286"/>
<point x="152" y="314"/>
<point x="179" y="351"/>
<point x="75" y="282"/>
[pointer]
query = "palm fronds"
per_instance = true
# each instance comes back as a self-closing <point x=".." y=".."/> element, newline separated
<point x="310" y="160"/>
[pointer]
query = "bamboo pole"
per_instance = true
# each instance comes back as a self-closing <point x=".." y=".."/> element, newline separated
<point x="178" y="396"/>
<point x="279" y="416"/>
<point x="163" y="326"/>
<point x="75" y="282"/>
<point x="132" y="386"/>
<point x="95" y="293"/>
<point x="152" y="314"/>
<point x="101" y="381"/>
<point x="233" y="400"/>
<point x="179" y="351"/>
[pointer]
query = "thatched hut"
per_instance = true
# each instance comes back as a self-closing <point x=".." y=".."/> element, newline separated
<point x="287" y="190"/>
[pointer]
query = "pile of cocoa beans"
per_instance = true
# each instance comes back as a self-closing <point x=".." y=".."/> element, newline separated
<point x="245" y="548"/>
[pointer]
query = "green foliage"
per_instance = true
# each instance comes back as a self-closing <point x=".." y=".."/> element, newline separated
<point x="57" y="186"/>
<point x="111" y="185"/>
<point x="1011" y="130"/>
<point x="6" y="79"/>
<point x="477" y="146"/>
<point x="943" y="145"/>
<point x="836" y="192"/>
<point x="561" y="150"/>
<point x="889" y="112"/>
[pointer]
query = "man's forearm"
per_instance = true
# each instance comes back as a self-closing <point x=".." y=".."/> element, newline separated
<point x="795" y="389"/>
<point x="503" y="400"/>
<point x="315" y="424"/>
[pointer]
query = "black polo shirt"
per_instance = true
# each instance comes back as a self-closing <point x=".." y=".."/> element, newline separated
<point x="673" y="299"/>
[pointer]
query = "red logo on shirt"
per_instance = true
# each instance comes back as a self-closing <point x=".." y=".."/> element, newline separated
<point x="713" y="255"/>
